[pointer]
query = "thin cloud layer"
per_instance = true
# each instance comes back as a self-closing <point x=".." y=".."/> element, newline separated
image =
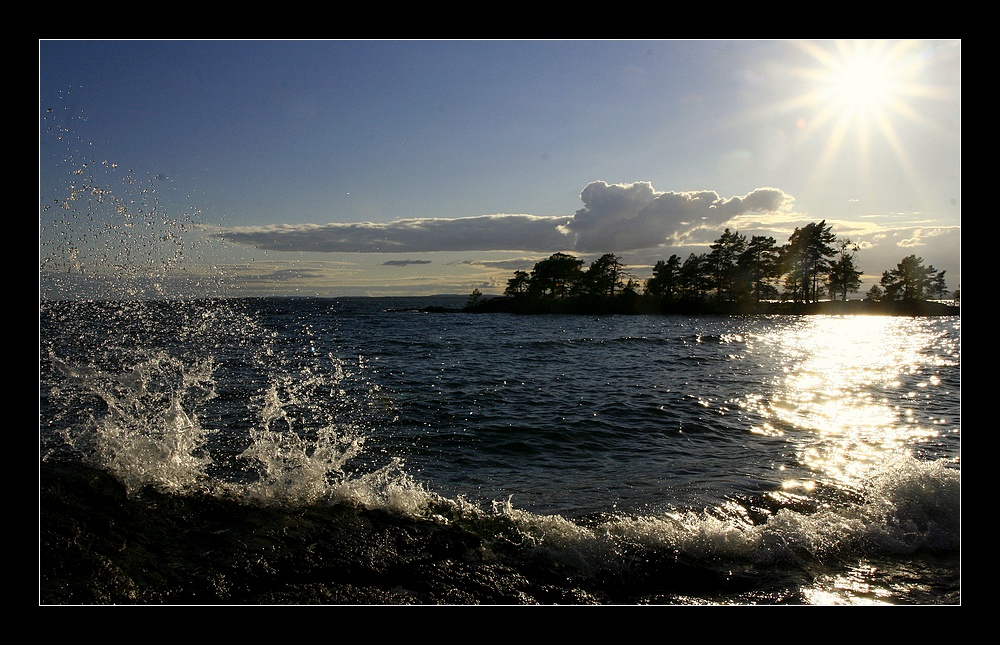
<point x="481" y="233"/>
<point x="615" y="218"/>
<point x="403" y="263"/>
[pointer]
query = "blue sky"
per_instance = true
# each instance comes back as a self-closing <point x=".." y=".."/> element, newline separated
<point x="418" y="167"/>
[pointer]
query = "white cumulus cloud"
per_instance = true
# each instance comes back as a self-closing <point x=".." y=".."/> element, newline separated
<point x="626" y="217"/>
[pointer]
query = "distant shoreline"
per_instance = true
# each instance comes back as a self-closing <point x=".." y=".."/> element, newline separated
<point x="504" y="304"/>
<point x="640" y="306"/>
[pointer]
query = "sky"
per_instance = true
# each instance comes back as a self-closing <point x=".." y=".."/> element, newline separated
<point x="415" y="167"/>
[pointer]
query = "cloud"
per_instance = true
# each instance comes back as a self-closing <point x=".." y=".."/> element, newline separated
<point x="626" y="217"/>
<point x="916" y="240"/>
<point x="479" y="233"/>
<point x="920" y="236"/>
<point x="403" y="263"/>
<point x="615" y="218"/>
<point x="510" y="264"/>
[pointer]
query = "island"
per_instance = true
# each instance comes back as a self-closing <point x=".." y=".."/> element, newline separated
<point x="814" y="273"/>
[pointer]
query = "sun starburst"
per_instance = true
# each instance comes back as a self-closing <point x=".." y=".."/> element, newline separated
<point x="862" y="96"/>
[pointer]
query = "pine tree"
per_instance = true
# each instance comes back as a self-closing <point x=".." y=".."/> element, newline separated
<point x="844" y="276"/>
<point x="806" y="258"/>
<point x="911" y="280"/>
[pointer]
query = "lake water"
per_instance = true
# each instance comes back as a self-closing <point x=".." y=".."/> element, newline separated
<point x="358" y="451"/>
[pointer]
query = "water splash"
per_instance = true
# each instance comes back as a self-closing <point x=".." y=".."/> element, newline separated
<point x="147" y="375"/>
<point x="147" y="433"/>
<point x="294" y="468"/>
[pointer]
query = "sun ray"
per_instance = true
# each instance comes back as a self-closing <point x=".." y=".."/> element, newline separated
<point x="857" y="96"/>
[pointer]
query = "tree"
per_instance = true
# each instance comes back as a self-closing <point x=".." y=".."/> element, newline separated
<point x="844" y="276"/>
<point x="736" y="271"/>
<point x="911" y="280"/>
<point x="938" y="287"/>
<point x="759" y="266"/>
<point x="518" y="285"/>
<point x="665" y="282"/>
<point x="692" y="282"/>
<point x="555" y="276"/>
<point x="722" y="263"/>
<point x="806" y="258"/>
<point x="605" y="276"/>
<point x="474" y="299"/>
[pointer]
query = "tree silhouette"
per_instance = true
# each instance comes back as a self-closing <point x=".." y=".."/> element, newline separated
<point x="806" y="259"/>
<point x="605" y="276"/>
<point x="694" y="283"/>
<point x="844" y="276"/>
<point x="911" y="280"/>
<point x="722" y="263"/>
<point x="555" y="276"/>
<point x="519" y="284"/>
<point x="665" y="283"/>
<point x="737" y="275"/>
<point x="474" y="298"/>
<point x="759" y="266"/>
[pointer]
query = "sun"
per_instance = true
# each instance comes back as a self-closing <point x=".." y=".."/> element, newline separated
<point x="858" y="84"/>
<point x="863" y="83"/>
<point x="862" y="95"/>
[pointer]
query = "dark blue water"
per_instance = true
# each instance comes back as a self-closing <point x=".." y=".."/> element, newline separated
<point x="515" y="459"/>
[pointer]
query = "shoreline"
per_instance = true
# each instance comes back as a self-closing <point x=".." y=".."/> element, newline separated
<point x="521" y="306"/>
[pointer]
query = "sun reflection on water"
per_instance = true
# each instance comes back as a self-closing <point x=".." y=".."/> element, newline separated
<point x="857" y="586"/>
<point x="845" y="390"/>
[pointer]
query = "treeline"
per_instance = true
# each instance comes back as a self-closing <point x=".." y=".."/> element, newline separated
<point x="737" y="275"/>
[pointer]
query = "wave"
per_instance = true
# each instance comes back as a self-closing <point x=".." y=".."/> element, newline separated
<point x="147" y="510"/>
<point x="150" y="495"/>
<point x="385" y="540"/>
<point x="147" y="434"/>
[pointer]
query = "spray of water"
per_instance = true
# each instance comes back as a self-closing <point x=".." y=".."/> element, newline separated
<point x="153" y="369"/>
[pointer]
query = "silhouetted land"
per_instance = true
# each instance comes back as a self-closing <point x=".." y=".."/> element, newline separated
<point x="528" y="306"/>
